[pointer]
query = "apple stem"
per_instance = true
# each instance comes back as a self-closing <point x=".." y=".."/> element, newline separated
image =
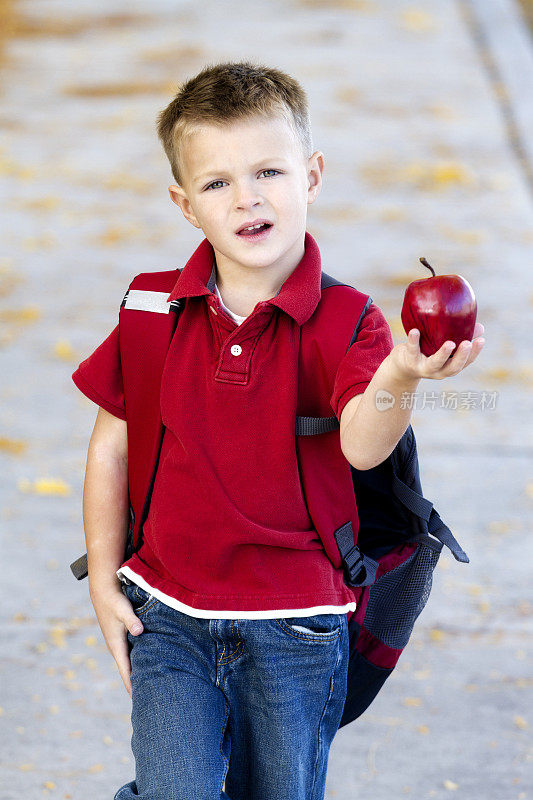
<point x="426" y="264"/>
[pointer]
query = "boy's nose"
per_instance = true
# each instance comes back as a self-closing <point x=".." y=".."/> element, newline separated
<point x="246" y="196"/>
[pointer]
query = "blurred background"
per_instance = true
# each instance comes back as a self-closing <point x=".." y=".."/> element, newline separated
<point x="424" y="113"/>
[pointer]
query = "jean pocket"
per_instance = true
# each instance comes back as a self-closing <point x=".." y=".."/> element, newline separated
<point x="316" y="628"/>
<point x="139" y="598"/>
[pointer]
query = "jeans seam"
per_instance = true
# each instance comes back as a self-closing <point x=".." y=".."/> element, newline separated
<point x="319" y="733"/>
<point x="226" y="763"/>
<point x="237" y="654"/>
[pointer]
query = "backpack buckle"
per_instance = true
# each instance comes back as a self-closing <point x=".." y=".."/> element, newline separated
<point x="355" y="566"/>
<point x="359" y="569"/>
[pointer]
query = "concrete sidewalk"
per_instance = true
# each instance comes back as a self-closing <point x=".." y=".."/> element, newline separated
<point x="423" y="112"/>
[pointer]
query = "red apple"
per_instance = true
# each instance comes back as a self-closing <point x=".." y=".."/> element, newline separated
<point x="443" y="308"/>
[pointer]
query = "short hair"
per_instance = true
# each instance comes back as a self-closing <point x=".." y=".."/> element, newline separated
<point x="227" y="92"/>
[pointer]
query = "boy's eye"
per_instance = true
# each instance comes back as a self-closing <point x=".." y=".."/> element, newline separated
<point x="212" y="184"/>
<point x="265" y="170"/>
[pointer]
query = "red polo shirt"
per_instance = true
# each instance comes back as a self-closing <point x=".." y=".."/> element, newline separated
<point x="228" y="534"/>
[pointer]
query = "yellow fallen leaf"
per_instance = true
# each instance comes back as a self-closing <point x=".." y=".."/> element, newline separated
<point x="498" y="374"/>
<point x="107" y="740"/>
<point x="96" y="768"/>
<point x="90" y="641"/>
<point x="442" y="110"/>
<point x="51" y="486"/>
<point x="461" y="235"/>
<point x="26" y="767"/>
<point x="393" y="214"/>
<point x="126" y="180"/>
<point x="520" y="722"/>
<point x="413" y="702"/>
<point x="401" y="279"/>
<point x="436" y="635"/>
<point x="414" y="19"/>
<point x="451" y="786"/>
<point x="53" y="709"/>
<point x="499" y="526"/>
<point x="57" y="635"/>
<point x="64" y="350"/>
<point x="49" y="785"/>
<point x="12" y="445"/>
<point x="26" y="314"/>
<point x="33" y="243"/>
<point x="423" y="729"/>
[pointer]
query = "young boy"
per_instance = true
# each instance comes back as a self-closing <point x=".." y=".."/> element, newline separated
<point x="228" y="626"/>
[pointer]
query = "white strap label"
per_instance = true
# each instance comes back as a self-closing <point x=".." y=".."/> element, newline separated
<point x="144" y="300"/>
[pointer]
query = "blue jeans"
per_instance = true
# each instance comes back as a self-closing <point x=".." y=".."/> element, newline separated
<point x="251" y="703"/>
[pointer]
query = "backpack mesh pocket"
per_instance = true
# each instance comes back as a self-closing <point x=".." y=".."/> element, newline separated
<point x="398" y="597"/>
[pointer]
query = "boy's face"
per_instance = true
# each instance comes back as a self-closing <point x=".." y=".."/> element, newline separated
<point x="248" y="170"/>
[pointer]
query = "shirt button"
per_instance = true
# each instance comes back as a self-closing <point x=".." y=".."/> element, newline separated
<point x="236" y="350"/>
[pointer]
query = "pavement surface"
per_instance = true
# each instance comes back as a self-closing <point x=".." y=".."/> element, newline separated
<point x="424" y="113"/>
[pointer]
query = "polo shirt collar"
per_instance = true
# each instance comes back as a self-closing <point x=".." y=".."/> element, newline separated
<point x="298" y="296"/>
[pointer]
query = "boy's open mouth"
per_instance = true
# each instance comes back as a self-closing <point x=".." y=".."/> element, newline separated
<point x="259" y="231"/>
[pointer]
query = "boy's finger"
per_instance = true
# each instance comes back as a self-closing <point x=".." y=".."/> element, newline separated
<point x="442" y="355"/>
<point x="413" y="338"/>
<point x="475" y="350"/>
<point x="460" y="358"/>
<point x="122" y="659"/>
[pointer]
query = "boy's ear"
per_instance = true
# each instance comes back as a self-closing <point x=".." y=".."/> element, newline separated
<point x="315" y="169"/>
<point x="178" y="196"/>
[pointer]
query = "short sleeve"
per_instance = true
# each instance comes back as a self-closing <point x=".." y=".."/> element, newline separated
<point x="99" y="377"/>
<point x="357" y="368"/>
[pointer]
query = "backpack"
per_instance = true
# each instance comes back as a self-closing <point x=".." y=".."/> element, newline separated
<point x="399" y="542"/>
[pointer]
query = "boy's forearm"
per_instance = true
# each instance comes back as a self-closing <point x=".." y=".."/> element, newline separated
<point x="105" y="516"/>
<point x="375" y="429"/>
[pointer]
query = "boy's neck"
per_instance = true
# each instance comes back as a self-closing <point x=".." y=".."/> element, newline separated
<point x="243" y="299"/>
<point x="242" y="293"/>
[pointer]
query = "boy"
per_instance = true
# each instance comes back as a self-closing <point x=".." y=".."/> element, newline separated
<point x="237" y="666"/>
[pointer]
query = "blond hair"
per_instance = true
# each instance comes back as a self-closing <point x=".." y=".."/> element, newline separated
<point x="224" y="93"/>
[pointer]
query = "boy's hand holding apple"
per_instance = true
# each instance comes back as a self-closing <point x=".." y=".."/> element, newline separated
<point x="439" y="315"/>
<point x="410" y="362"/>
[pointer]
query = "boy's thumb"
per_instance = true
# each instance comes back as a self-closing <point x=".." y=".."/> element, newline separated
<point x="135" y="626"/>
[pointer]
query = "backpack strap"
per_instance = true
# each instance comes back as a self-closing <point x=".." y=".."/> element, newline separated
<point x="147" y="292"/>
